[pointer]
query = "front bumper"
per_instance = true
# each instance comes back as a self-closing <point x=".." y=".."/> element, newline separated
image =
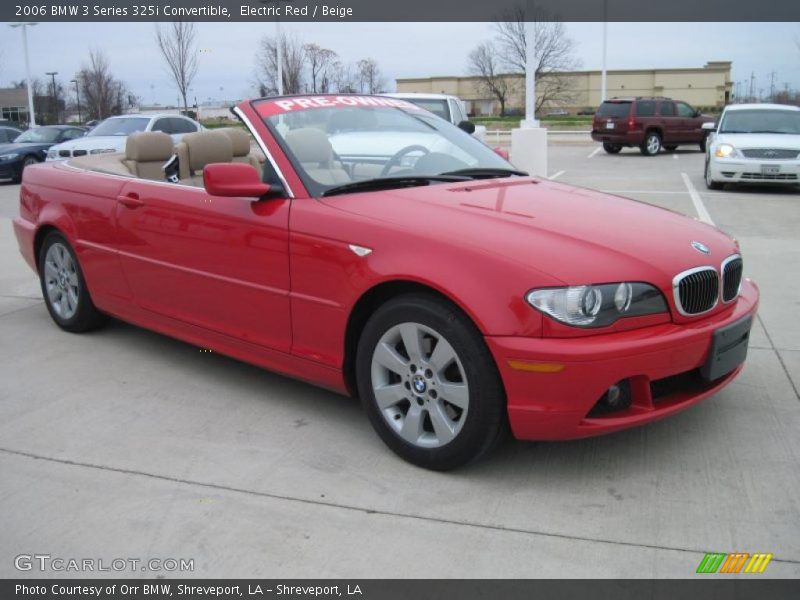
<point x="25" y="232"/>
<point x="10" y="169"/>
<point x="562" y="379"/>
<point x="749" y="170"/>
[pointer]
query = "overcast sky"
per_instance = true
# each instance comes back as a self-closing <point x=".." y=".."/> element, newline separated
<point x="402" y="50"/>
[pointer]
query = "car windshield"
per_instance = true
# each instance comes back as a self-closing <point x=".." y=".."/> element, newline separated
<point x="761" y="120"/>
<point x="39" y="135"/>
<point x="614" y="109"/>
<point x="123" y="126"/>
<point x="437" y="107"/>
<point x="347" y="141"/>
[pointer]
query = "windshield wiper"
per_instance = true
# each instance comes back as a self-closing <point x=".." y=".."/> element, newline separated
<point x="487" y="173"/>
<point x="387" y="183"/>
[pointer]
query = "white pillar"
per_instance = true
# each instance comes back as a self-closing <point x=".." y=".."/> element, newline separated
<point x="529" y="142"/>
<point x="603" y="84"/>
<point x="530" y="75"/>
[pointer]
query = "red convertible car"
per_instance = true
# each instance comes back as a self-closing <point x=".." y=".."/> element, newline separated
<point x="365" y="245"/>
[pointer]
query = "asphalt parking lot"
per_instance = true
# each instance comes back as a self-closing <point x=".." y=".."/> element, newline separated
<point x="125" y="443"/>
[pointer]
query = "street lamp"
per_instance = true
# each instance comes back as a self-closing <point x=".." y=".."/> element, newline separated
<point x="77" y="99"/>
<point x="24" y="27"/>
<point x="278" y="43"/>
<point x="53" y="99"/>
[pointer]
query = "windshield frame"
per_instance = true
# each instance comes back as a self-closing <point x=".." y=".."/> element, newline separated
<point x="93" y="132"/>
<point x="729" y="114"/>
<point x="316" y="189"/>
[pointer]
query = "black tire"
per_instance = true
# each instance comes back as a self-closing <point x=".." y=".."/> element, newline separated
<point x="26" y="162"/>
<point x="710" y="183"/>
<point x="670" y="148"/>
<point x="86" y="317"/>
<point x="485" y="419"/>
<point x="612" y="148"/>
<point x="651" y="143"/>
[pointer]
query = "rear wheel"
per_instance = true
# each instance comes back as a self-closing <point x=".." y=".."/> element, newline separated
<point x="612" y="148"/>
<point x="429" y="384"/>
<point x="651" y="144"/>
<point x="64" y="288"/>
<point x="710" y="183"/>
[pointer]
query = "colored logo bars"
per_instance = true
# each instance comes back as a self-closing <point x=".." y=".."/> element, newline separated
<point x="734" y="563"/>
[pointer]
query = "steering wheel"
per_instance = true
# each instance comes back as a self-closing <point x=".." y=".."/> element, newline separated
<point x="400" y="154"/>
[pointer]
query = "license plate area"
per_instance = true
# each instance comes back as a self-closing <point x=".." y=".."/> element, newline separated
<point x="728" y="349"/>
<point x="610" y="125"/>
<point x="770" y="169"/>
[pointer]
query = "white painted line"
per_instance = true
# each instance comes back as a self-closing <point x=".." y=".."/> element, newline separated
<point x="697" y="201"/>
<point x="641" y="192"/>
<point x="595" y="151"/>
<point x="556" y="175"/>
<point x="675" y="156"/>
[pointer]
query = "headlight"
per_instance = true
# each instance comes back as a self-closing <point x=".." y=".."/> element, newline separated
<point x="597" y="305"/>
<point x="9" y="156"/>
<point x="725" y="151"/>
<point x="101" y="151"/>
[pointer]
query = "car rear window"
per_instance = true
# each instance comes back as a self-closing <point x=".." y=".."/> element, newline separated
<point x="614" y="109"/>
<point x="645" y="108"/>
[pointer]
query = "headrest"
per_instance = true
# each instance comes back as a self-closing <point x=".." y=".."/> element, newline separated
<point x="205" y="147"/>
<point x="310" y="145"/>
<point x="240" y="140"/>
<point x="148" y="146"/>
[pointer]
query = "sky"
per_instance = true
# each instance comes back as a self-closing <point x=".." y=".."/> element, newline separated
<point x="226" y="65"/>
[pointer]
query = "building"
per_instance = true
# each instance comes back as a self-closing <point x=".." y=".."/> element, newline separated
<point x="14" y="105"/>
<point x="708" y="87"/>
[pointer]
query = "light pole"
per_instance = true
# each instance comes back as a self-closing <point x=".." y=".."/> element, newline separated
<point x="53" y="99"/>
<point x="530" y="73"/>
<point x="603" y="77"/>
<point x="24" y="27"/>
<point x="77" y="99"/>
<point x="278" y="42"/>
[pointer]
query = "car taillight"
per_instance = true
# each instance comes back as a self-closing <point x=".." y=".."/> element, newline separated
<point x="632" y="123"/>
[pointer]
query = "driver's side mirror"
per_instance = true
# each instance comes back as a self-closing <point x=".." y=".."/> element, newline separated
<point x="234" y="180"/>
<point x="708" y="126"/>
<point x="697" y="113"/>
<point x="467" y="126"/>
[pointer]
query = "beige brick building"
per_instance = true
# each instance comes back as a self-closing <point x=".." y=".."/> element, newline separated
<point x="708" y="86"/>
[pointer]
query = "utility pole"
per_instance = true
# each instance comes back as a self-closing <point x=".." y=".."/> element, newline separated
<point x="54" y="100"/>
<point x="772" y="86"/>
<point x="752" y="86"/>
<point x="77" y="99"/>
<point x="24" y="27"/>
<point x="604" y="75"/>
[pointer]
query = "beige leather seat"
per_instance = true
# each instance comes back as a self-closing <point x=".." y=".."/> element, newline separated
<point x="313" y="150"/>
<point x="241" y="147"/>
<point x="196" y="150"/>
<point x="146" y="153"/>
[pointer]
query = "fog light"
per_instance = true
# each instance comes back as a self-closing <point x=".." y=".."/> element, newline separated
<point x="615" y="399"/>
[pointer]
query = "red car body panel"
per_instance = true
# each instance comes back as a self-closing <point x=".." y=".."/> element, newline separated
<point x="275" y="282"/>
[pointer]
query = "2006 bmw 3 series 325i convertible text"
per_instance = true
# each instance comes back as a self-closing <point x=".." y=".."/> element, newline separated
<point x="370" y="247"/>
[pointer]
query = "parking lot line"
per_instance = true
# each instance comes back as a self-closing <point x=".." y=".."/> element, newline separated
<point x="595" y="151"/>
<point x="697" y="201"/>
<point x="556" y="175"/>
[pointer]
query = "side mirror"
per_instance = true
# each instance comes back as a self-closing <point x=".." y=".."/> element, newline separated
<point x="234" y="180"/>
<point x="708" y="126"/>
<point x="501" y="152"/>
<point x="467" y="126"/>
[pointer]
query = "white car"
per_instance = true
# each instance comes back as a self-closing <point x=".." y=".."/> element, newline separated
<point x="112" y="134"/>
<point x="754" y="143"/>
<point x="447" y="107"/>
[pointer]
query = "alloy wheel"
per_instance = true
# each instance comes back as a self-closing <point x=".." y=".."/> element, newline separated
<point x="61" y="281"/>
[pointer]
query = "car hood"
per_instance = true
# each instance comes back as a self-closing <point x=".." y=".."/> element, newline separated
<point x="759" y="140"/>
<point x="100" y="142"/>
<point x="575" y="235"/>
<point x="12" y="147"/>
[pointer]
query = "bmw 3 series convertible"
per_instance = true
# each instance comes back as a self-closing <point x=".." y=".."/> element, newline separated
<point x="365" y="245"/>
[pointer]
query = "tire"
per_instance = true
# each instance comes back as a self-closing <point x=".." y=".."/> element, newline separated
<point x="64" y="287"/>
<point x="670" y="148"/>
<point x="26" y="162"/>
<point x="442" y="404"/>
<point x="612" y="148"/>
<point x="710" y="183"/>
<point x="651" y="144"/>
<point x="703" y="143"/>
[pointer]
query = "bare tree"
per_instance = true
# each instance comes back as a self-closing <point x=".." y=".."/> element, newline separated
<point x="343" y="78"/>
<point x="320" y="60"/>
<point x="484" y="63"/>
<point x="554" y="52"/>
<point x="41" y="98"/>
<point x="294" y="61"/>
<point x="101" y="93"/>
<point x="178" y="49"/>
<point x="371" y="81"/>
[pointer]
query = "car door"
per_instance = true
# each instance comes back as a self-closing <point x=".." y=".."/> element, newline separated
<point x="670" y="121"/>
<point x="217" y="263"/>
<point x="690" y="125"/>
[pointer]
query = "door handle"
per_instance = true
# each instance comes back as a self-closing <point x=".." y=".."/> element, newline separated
<point x="130" y="200"/>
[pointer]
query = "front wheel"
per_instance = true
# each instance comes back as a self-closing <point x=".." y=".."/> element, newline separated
<point x="710" y="183"/>
<point x="612" y="148"/>
<point x="429" y="384"/>
<point x="651" y="144"/>
<point x="64" y="288"/>
<point x="26" y="162"/>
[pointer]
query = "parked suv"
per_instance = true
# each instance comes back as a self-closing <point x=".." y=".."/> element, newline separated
<point x="649" y="123"/>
